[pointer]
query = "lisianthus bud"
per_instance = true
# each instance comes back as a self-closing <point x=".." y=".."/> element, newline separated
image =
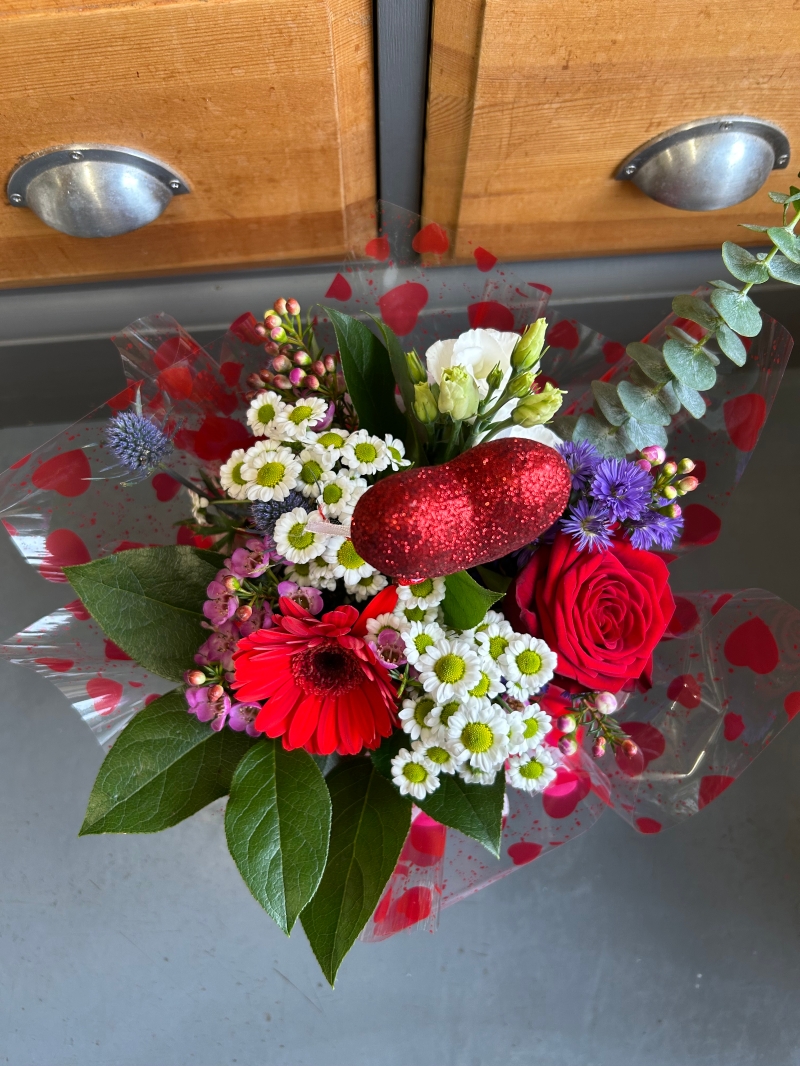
<point x="297" y="375"/>
<point x="416" y="371"/>
<point x="425" y="404"/>
<point x="685" y="466"/>
<point x="529" y="347"/>
<point x="654" y="454"/>
<point x="605" y="702"/>
<point x="194" y="678"/>
<point x="686" y="484"/>
<point x="567" y="746"/>
<point x="458" y="393"/>
<point x="272" y="322"/>
<point x="293" y="307"/>
<point x="280" y="306"/>
<point x="521" y="384"/>
<point x="565" y="723"/>
<point x="538" y="408"/>
<point x="281" y="365"/>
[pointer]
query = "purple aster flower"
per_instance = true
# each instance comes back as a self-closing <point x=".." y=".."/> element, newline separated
<point x="582" y="459"/>
<point x="215" y="712"/>
<point x="304" y="595"/>
<point x="622" y="487"/>
<point x="590" y="524"/>
<point x="243" y="717"/>
<point x="654" y="530"/>
<point x="137" y="442"/>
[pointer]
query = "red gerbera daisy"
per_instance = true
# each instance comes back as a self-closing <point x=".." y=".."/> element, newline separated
<point x="324" y="689"/>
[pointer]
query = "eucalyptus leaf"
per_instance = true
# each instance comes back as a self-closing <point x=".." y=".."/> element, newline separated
<point x="783" y="269"/>
<point x="696" y="310"/>
<point x="786" y="242"/>
<point x="755" y="229"/>
<point x="724" y="285"/>
<point x="669" y="399"/>
<point x="149" y="601"/>
<point x="564" y="426"/>
<point x="739" y="312"/>
<point x="466" y="602"/>
<point x="278" y="824"/>
<point x="731" y="344"/>
<point x="690" y="399"/>
<point x="164" y="766"/>
<point x="742" y="265"/>
<point x="474" y="810"/>
<point x="782" y="198"/>
<point x="643" y="404"/>
<point x="369" y="826"/>
<point x="608" y="401"/>
<point x="368" y="373"/>
<point x="693" y="368"/>
<point x="636" y="435"/>
<point x="604" y="437"/>
<point x="650" y="360"/>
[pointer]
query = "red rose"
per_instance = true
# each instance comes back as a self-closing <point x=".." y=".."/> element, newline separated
<point x="602" y="612"/>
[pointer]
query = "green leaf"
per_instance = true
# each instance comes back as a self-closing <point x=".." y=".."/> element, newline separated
<point x="644" y="404"/>
<point x="669" y="399"/>
<point x="786" y="242"/>
<point x="278" y="824"/>
<point x="608" y="401"/>
<point x="691" y="399"/>
<point x="494" y="581"/>
<point x="742" y="265"/>
<point x="474" y="810"/>
<point x="636" y="435"/>
<point x="693" y="368"/>
<point x="564" y="426"/>
<point x="370" y="824"/>
<point x="782" y="198"/>
<point x="149" y="601"/>
<point x="602" y="435"/>
<point x="696" y="310"/>
<point x="650" y="360"/>
<point x="731" y="344"/>
<point x="368" y="374"/>
<point x="724" y="285"/>
<point x="325" y="763"/>
<point x="783" y="269"/>
<point x="164" y="766"/>
<point x="755" y="229"/>
<point x="397" y="359"/>
<point x="739" y="311"/>
<point x="389" y="747"/>
<point x="466" y="602"/>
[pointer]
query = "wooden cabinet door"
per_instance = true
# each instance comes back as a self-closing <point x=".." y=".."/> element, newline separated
<point x="533" y="104"/>
<point x="265" y="107"/>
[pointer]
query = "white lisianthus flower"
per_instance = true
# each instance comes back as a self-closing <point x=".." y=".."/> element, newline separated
<point x="418" y="637"/>
<point x="345" y="562"/>
<point x="314" y="463"/>
<point x="294" y="541"/>
<point x="528" y="728"/>
<point x="478" y="734"/>
<point x="368" y="586"/>
<point x="231" y="478"/>
<point x="413" y="718"/>
<point x="264" y="413"/>
<point x="531" y="772"/>
<point x="527" y="664"/>
<point x="365" y="454"/>
<point x="448" y="669"/>
<point x="479" y="351"/>
<point x="427" y="593"/>
<point x="271" y="474"/>
<point x="397" y="452"/>
<point x="439" y="754"/>
<point x="414" y="774"/>
<point x="339" y="493"/>
<point x="295" y="423"/>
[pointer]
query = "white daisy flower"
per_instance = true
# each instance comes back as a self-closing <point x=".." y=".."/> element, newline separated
<point x="397" y="452"/>
<point x="345" y="562"/>
<point x="490" y="683"/>
<point x="527" y="664"/>
<point x="368" y="586"/>
<point x="438" y="718"/>
<point x="476" y="777"/>
<point x="263" y="413"/>
<point x="494" y="638"/>
<point x="532" y="772"/>
<point x="414" y="774"/>
<point x="271" y="474"/>
<point x="294" y="423"/>
<point x="439" y="754"/>
<point x="331" y="441"/>
<point x="231" y="478"/>
<point x="418" y="614"/>
<point x="314" y="572"/>
<point x="339" y="493"/>
<point x="294" y="541"/>
<point x="427" y="593"/>
<point x="314" y="463"/>
<point x="199" y="508"/>
<point x="413" y="717"/>
<point x="365" y="454"/>
<point x="528" y="729"/>
<point x="383" y="621"/>
<point x="478" y="734"/>
<point x="418" y="637"/>
<point x="448" y="668"/>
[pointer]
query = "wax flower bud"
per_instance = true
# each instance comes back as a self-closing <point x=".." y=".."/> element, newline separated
<point x="243" y="613"/>
<point x="605" y="702"/>
<point x="686" y="466"/>
<point x="311" y="381"/>
<point x="266" y="379"/>
<point x="599" y="748"/>
<point x="654" y="454"/>
<point x="280" y="381"/>
<point x="669" y="492"/>
<point x="643" y="464"/>
<point x="538" y="408"/>
<point x="279" y="306"/>
<point x="292" y="307"/>
<point x="281" y="365"/>
<point x="673" y="511"/>
<point x="278" y="334"/>
<point x="260" y="329"/>
<point x="231" y="584"/>
<point x="529" y="347"/>
<point x="629" y="748"/>
<point x="330" y="363"/>
<point x="301" y="359"/>
<point x="567" y="746"/>
<point x="686" y="484"/>
<point x="254" y="381"/>
<point x="318" y="368"/>
<point x="565" y="723"/>
<point x="521" y="384"/>
<point x="425" y="404"/>
<point x="272" y="322"/>
<point x="416" y="371"/>
<point x="458" y="394"/>
<point x="216" y="692"/>
<point x="194" y="678"/>
<point x="670" y="469"/>
<point x="297" y="375"/>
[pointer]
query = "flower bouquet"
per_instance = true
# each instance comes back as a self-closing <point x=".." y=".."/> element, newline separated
<point x="394" y="579"/>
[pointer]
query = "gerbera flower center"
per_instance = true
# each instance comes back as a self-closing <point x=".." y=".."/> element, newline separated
<point x="422" y="588"/>
<point x="438" y="755"/>
<point x="348" y="557"/>
<point x="497" y="645"/>
<point x="299" y="537"/>
<point x="422" y="710"/>
<point x="450" y="668"/>
<point x="270" y="474"/>
<point x="477" y="737"/>
<point x="482" y="687"/>
<point x="236" y="475"/>
<point x="365" y="452"/>
<point x="327" y="669"/>
<point x="310" y="472"/>
<point x="330" y="440"/>
<point x="266" y="413"/>
<point x="531" y="770"/>
<point x="332" y="493"/>
<point x="529" y="662"/>
<point x="415" y="773"/>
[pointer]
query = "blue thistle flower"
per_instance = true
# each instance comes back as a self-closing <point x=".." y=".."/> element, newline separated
<point x="623" y="487"/>
<point x="137" y="442"/>
<point x="264" y="515"/>
<point x="590" y="524"/>
<point x="581" y="459"/>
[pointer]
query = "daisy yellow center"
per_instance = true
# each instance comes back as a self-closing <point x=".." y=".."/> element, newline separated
<point x="482" y="687"/>
<point x="270" y="475"/>
<point x="531" y="770"/>
<point x="266" y="413"/>
<point x="423" y="641"/>
<point x="330" y="440"/>
<point x="422" y="710"/>
<point x="414" y="614"/>
<point x="332" y="493"/>
<point x="301" y="413"/>
<point x="302" y="569"/>
<point x="529" y="662"/>
<point x="236" y="475"/>
<point x="366" y="452"/>
<point x="422" y="588"/>
<point x="311" y="472"/>
<point x="438" y="755"/>
<point x="448" y="711"/>
<point x="348" y="557"/>
<point x="477" y="737"/>
<point x="299" y="537"/>
<point x="497" y="645"/>
<point x="532" y="728"/>
<point x="414" y="773"/>
<point x="450" y="668"/>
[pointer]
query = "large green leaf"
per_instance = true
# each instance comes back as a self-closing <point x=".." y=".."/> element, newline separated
<point x="278" y="824"/>
<point x="397" y="359"/>
<point x="466" y="602"/>
<point x="164" y="766"/>
<point x="787" y="242"/>
<point x="474" y="810"/>
<point x="739" y="311"/>
<point x="149" y="601"/>
<point x="370" y="824"/>
<point x="368" y="374"/>
<point x="785" y="270"/>
<point x="743" y="265"/>
<point x="389" y="747"/>
<point x="644" y="404"/>
<point x="692" y="368"/>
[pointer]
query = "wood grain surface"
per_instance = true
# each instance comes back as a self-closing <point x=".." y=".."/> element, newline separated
<point x="266" y="108"/>
<point x="533" y="104"/>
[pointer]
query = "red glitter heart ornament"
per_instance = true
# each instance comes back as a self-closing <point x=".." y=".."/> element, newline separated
<point x="436" y="520"/>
